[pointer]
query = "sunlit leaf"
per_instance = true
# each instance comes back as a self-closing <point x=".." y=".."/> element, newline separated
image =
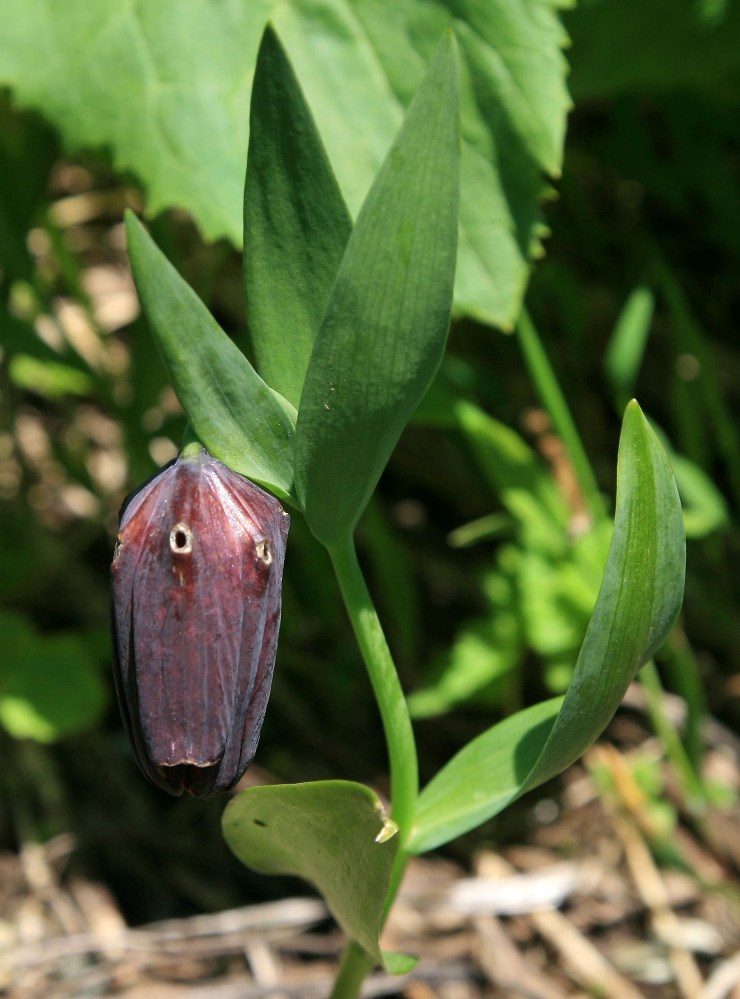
<point x="639" y="599"/>
<point x="239" y="418"/>
<point x="165" y="88"/>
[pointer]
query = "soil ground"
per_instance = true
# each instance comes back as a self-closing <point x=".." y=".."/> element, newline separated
<point x="619" y="890"/>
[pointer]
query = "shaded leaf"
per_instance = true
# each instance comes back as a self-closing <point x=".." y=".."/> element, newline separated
<point x="334" y="834"/>
<point x="636" y="45"/>
<point x="296" y="225"/>
<point x="626" y="349"/>
<point x="515" y="472"/>
<point x="50" y="686"/>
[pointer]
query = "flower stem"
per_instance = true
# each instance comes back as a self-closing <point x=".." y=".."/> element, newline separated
<point x="356" y="964"/>
<point x="386" y="686"/>
<point x="399" y="737"/>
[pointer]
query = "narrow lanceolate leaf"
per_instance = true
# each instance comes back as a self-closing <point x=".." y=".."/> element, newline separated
<point x="334" y="834"/>
<point x="639" y="599"/>
<point x="385" y="326"/>
<point x="240" y="419"/>
<point x="296" y="224"/>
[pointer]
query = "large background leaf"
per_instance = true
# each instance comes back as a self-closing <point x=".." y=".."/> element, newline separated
<point x="625" y="45"/>
<point x="165" y="87"/>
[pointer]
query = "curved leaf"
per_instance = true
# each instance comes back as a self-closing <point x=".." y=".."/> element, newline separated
<point x="334" y="834"/>
<point x="639" y="599"/>
<point x="239" y="419"/>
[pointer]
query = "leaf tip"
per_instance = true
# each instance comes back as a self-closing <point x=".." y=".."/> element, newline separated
<point x="447" y="50"/>
<point x="270" y="40"/>
<point x="398" y="964"/>
<point x="133" y="226"/>
<point x="388" y="831"/>
<point x="633" y="415"/>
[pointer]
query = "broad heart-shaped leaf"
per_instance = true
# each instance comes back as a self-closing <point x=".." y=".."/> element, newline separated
<point x="296" y="225"/>
<point x="238" y="418"/>
<point x="639" y="599"/>
<point x="334" y="834"/>
<point x="386" y="323"/>
<point x="165" y="88"/>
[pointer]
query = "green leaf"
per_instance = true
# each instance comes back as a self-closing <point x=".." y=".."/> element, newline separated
<point x="398" y="964"/>
<point x="482" y="656"/>
<point x="639" y="599"/>
<point x="49" y="379"/>
<point x="386" y="323"/>
<point x="334" y="834"/>
<point x="483" y="778"/>
<point x="296" y="225"/>
<point x="238" y="418"/>
<point x="520" y="478"/>
<point x="704" y="506"/>
<point x="626" y="348"/>
<point x="165" y="88"/>
<point x="637" y="45"/>
<point x="50" y="685"/>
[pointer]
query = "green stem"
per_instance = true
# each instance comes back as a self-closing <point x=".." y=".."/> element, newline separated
<point x="399" y="737"/>
<point x="685" y="677"/>
<point x="386" y="686"/>
<point x="355" y="966"/>
<point x="548" y="389"/>
<point x="688" y="778"/>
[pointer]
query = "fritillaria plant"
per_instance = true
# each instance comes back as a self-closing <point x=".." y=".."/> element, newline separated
<point x="348" y="325"/>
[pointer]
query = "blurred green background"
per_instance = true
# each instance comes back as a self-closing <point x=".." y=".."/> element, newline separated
<point x="482" y="552"/>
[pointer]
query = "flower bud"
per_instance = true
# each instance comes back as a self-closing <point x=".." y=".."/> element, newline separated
<point x="196" y="588"/>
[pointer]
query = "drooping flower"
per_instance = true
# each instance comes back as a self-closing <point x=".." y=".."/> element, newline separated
<point x="196" y="598"/>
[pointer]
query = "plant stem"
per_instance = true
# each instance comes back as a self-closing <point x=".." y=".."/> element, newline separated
<point x="686" y="680"/>
<point x="386" y="686"/>
<point x="549" y="391"/>
<point x="399" y="737"/>
<point x="354" y="968"/>
<point x="688" y="777"/>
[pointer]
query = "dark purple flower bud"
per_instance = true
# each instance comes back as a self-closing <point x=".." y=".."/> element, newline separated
<point x="197" y="578"/>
